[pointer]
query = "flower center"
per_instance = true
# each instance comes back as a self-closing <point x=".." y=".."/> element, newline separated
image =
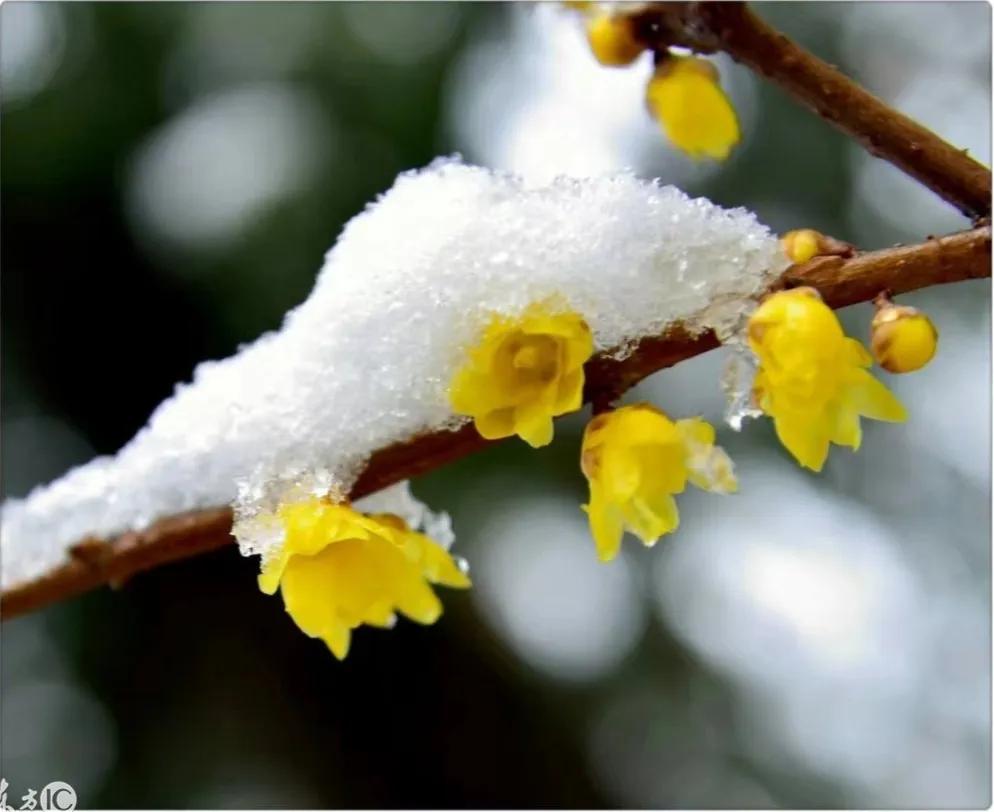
<point x="526" y="358"/>
<point x="534" y="359"/>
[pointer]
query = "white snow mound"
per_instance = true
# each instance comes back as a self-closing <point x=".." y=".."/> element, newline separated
<point x="366" y="360"/>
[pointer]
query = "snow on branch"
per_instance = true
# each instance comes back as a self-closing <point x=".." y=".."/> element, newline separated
<point x="92" y="561"/>
<point x="350" y="396"/>
<point x="366" y="361"/>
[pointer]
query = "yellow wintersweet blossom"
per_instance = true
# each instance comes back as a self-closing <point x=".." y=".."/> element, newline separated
<point x="635" y="458"/>
<point x="339" y="569"/>
<point x="812" y="379"/>
<point x="524" y="372"/>
<point x="685" y="96"/>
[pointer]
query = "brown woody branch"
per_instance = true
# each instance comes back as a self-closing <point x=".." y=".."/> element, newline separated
<point x="884" y="132"/>
<point x="842" y="281"/>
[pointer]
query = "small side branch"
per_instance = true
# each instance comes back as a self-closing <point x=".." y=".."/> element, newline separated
<point x="937" y="261"/>
<point x="884" y="132"/>
<point x="957" y="257"/>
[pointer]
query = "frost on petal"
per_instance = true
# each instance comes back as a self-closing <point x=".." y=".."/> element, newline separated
<point x="367" y="359"/>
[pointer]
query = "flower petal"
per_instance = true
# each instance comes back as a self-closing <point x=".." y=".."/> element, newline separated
<point x="695" y="430"/>
<point x="439" y="567"/>
<point x="338" y="637"/>
<point x="495" y="424"/>
<point x="606" y="524"/>
<point x="804" y="439"/>
<point x="569" y="396"/>
<point x="858" y="354"/>
<point x="870" y="397"/>
<point x="272" y="572"/>
<point x="848" y="431"/>
<point x="713" y="471"/>
<point x="651" y="518"/>
<point x="621" y="473"/>
<point x="419" y="602"/>
<point x="579" y="347"/>
<point x="533" y="424"/>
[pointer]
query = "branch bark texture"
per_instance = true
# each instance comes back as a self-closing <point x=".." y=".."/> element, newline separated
<point x="962" y="256"/>
<point x="884" y="132"/>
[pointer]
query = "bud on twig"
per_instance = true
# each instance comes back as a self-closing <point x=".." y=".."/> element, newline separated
<point x="612" y="39"/>
<point x="803" y="244"/>
<point x="902" y="338"/>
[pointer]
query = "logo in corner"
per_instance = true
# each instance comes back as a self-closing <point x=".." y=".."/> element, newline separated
<point x="58" y="796"/>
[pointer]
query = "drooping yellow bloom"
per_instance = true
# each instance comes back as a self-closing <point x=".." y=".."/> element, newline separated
<point x="686" y="98"/>
<point x="339" y="569"/>
<point x="902" y="338"/>
<point x="635" y="459"/>
<point x="812" y="379"/>
<point x="523" y="373"/>
<point x="612" y="39"/>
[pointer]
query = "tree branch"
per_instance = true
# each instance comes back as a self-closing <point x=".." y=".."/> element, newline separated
<point x="884" y="132"/>
<point x="842" y="282"/>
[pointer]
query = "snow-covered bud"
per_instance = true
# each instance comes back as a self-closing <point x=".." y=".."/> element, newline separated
<point x="902" y="338"/>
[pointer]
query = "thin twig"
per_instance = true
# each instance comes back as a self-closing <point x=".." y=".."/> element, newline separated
<point x="884" y="132"/>
<point x="842" y="282"/>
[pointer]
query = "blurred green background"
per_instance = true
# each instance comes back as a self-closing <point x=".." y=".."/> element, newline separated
<point x="172" y="174"/>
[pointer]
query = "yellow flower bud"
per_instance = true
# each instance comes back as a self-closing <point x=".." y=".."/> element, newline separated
<point x="902" y="339"/>
<point x="612" y="40"/>
<point x="803" y="244"/>
<point x="686" y="98"/>
<point x="800" y="245"/>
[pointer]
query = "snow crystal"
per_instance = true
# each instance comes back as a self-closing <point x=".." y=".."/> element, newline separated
<point x="366" y="360"/>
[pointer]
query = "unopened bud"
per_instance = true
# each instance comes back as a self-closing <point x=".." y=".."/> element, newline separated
<point x="685" y="96"/>
<point x="902" y="338"/>
<point x="803" y="244"/>
<point x="612" y="39"/>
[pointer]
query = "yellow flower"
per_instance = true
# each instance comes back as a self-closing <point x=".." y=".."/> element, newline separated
<point x="524" y="372"/>
<point x="612" y="39"/>
<point x="696" y="115"/>
<point x="812" y="379"/>
<point x="902" y="338"/>
<point x="635" y="458"/>
<point x="339" y="569"/>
